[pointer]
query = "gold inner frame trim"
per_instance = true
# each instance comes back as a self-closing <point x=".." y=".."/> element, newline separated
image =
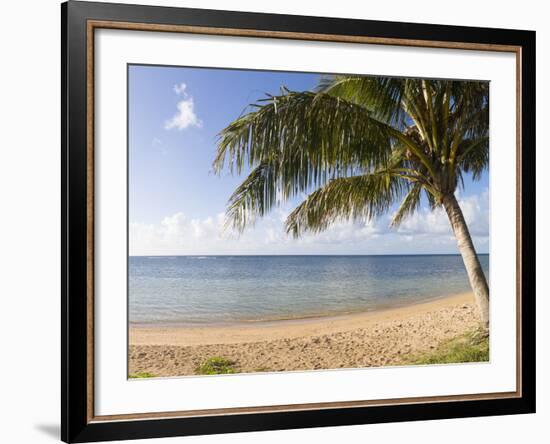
<point x="92" y="25"/>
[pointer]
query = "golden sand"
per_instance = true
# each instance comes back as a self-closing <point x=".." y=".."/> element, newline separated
<point x="377" y="338"/>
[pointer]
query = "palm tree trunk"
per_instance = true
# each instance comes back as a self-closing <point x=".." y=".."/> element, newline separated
<point x="469" y="256"/>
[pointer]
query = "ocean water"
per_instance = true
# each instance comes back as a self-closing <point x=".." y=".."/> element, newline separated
<point x="202" y="290"/>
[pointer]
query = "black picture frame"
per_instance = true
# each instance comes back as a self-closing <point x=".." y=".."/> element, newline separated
<point x="76" y="423"/>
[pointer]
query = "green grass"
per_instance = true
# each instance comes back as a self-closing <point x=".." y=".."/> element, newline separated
<point x="216" y="366"/>
<point x="470" y="347"/>
<point x="140" y="375"/>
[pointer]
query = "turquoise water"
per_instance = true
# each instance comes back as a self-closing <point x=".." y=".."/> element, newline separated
<point x="199" y="290"/>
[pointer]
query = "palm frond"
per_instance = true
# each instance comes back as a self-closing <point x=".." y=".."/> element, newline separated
<point x="316" y="136"/>
<point x="254" y="197"/>
<point x="410" y="204"/>
<point x="473" y="156"/>
<point x="361" y="142"/>
<point x="432" y="202"/>
<point x="381" y="95"/>
<point x="469" y="117"/>
<point x="347" y="198"/>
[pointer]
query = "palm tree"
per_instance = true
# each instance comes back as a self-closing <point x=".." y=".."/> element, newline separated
<point x="357" y="145"/>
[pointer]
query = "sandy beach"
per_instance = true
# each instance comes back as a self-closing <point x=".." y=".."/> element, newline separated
<point x="380" y="338"/>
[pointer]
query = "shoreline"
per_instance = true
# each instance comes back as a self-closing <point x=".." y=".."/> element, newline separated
<point x="297" y="319"/>
<point x="372" y="339"/>
<point x="258" y="331"/>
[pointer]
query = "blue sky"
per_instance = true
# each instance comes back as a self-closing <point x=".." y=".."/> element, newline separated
<point x="176" y="203"/>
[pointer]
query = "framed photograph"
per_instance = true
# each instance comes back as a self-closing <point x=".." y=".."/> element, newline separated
<point x="276" y="221"/>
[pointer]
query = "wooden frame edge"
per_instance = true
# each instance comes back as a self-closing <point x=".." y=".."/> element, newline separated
<point x="92" y="25"/>
<point x="237" y="32"/>
<point x="283" y="408"/>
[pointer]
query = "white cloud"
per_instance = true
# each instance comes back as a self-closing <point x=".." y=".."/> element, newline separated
<point x="475" y="209"/>
<point x="424" y="232"/>
<point x="185" y="116"/>
<point x="180" y="89"/>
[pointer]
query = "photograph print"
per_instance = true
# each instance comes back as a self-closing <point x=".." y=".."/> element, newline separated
<point x="288" y="221"/>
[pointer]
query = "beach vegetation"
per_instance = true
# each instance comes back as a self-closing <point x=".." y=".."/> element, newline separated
<point x="470" y="347"/>
<point x="216" y="366"/>
<point x="140" y="375"/>
<point x="356" y="146"/>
